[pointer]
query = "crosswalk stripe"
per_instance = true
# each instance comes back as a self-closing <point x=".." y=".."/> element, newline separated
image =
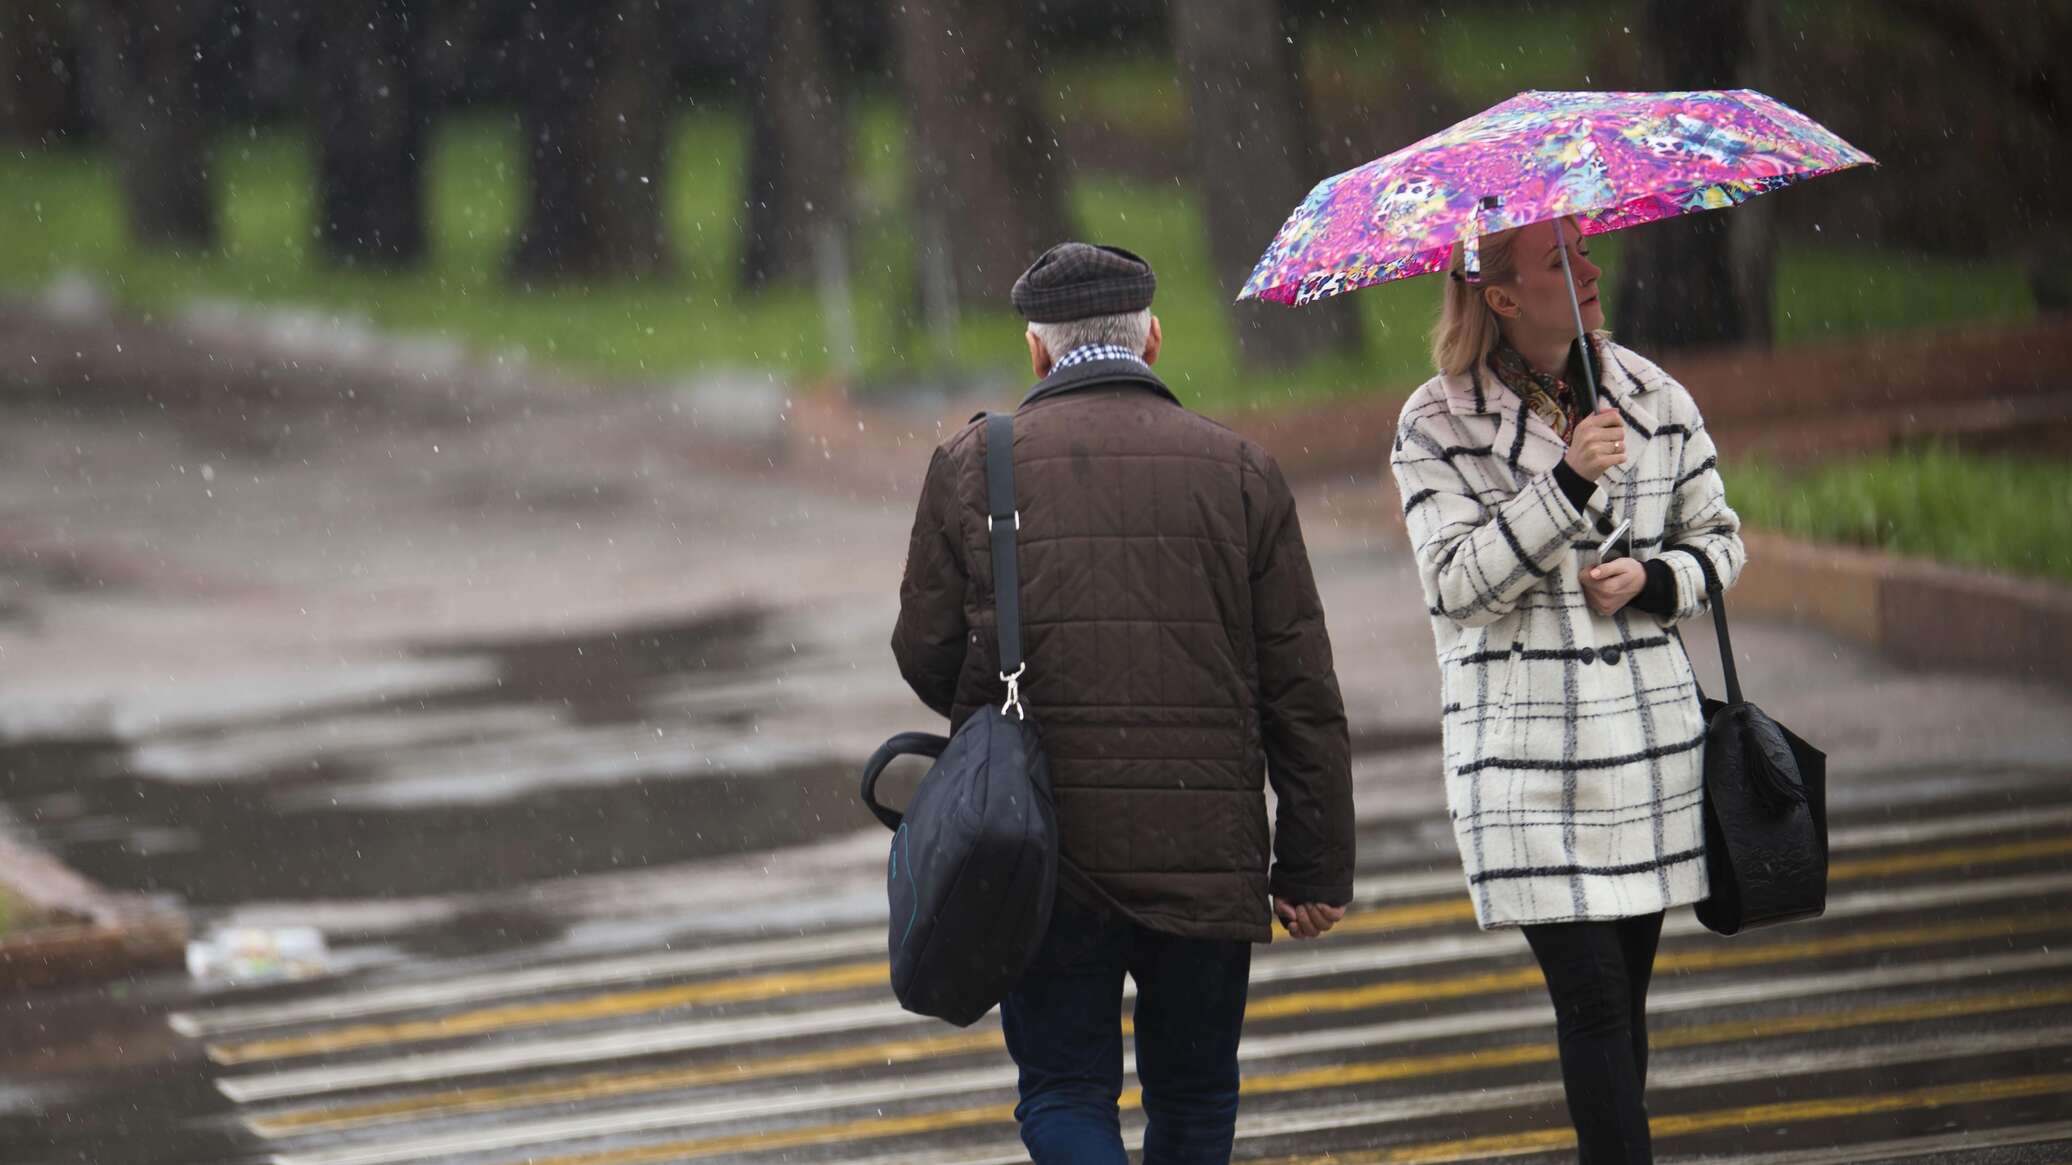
<point x="1678" y="1125"/>
<point x="511" y="1135"/>
<point x="1899" y="1149"/>
<point x="855" y="975"/>
<point x="579" y="1049"/>
<point x="1357" y="1114"/>
<point x="1378" y="886"/>
<point x="557" y="977"/>
<point x="1946" y="859"/>
<point x="599" y="1086"/>
<point x="1669" y="962"/>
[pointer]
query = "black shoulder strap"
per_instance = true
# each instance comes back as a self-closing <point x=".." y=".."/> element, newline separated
<point x="1003" y="520"/>
<point x="1719" y="621"/>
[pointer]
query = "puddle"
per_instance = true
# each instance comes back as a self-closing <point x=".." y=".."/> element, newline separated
<point x="533" y="758"/>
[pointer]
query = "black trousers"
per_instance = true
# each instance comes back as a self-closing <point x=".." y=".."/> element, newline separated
<point x="1597" y="973"/>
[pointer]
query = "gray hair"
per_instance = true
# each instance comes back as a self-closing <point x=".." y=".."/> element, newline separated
<point x="1131" y="330"/>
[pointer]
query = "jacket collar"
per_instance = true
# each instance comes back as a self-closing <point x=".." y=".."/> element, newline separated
<point x="1526" y="442"/>
<point x="1098" y="373"/>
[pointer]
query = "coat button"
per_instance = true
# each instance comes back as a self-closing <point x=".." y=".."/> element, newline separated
<point x="1589" y="655"/>
<point x="1604" y="524"/>
<point x="1609" y="655"/>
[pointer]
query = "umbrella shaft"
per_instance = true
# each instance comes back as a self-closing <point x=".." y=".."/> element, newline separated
<point x="1576" y="308"/>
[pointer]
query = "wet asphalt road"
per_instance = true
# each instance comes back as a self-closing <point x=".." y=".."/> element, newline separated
<point x="548" y="713"/>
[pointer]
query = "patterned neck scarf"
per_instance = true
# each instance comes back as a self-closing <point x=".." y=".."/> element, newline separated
<point x="1550" y="398"/>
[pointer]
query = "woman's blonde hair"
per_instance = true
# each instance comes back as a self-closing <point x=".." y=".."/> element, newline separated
<point x="1468" y="331"/>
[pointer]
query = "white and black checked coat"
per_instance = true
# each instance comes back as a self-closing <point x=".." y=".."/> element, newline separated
<point x="1573" y="742"/>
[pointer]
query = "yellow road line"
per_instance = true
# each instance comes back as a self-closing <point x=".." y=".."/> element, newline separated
<point x="613" y="1005"/>
<point x="604" y="1085"/>
<point x="1952" y="858"/>
<point x="1685" y="1124"/>
<point x="1467" y="1149"/>
<point x="1703" y="959"/>
<point x="853" y="975"/>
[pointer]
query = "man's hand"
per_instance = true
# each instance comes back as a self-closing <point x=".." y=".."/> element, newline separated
<point x="1597" y="444"/>
<point x="1308" y="919"/>
<point x="1613" y="584"/>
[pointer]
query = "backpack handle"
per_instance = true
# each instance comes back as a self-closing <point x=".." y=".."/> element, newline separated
<point x="905" y="744"/>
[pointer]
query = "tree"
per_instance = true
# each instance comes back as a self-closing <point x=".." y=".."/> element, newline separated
<point x="371" y="119"/>
<point x="798" y="156"/>
<point x="1254" y="163"/>
<point x="142" y="64"/>
<point x="595" y="120"/>
<point x="38" y="97"/>
<point x="1700" y="279"/>
<point x="988" y="174"/>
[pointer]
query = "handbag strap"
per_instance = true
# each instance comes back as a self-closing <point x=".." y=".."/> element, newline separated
<point x="905" y="744"/>
<point x="1719" y="622"/>
<point x="1003" y="522"/>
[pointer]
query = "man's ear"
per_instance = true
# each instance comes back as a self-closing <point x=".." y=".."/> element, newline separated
<point x="1153" y="342"/>
<point x="1039" y="356"/>
<point x="1501" y="302"/>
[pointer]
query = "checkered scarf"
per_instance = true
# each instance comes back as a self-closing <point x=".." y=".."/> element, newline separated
<point x="1088" y="353"/>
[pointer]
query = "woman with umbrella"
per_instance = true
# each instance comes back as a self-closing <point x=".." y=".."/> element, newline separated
<point x="1566" y="510"/>
<point x="1574" y="742"/>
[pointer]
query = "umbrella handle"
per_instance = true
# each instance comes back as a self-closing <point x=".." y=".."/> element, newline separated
<point x="1576" y="308"/>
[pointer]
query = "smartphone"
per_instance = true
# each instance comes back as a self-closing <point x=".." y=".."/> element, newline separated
<point x="1617" y="544"/>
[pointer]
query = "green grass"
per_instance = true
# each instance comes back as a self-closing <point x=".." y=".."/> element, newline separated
<point x="63" y="213"/>
<point x="1999" y="512"/>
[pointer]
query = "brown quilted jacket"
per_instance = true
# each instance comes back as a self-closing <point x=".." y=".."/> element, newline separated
<point x="1176" y="650"/>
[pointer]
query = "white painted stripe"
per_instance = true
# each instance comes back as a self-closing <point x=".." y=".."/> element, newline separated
<point x="769" y="954"/>
<point x="694" y="1034"/>
<point x="1899" y="1150"/>
<point x="483" y="1139"/>
<point x="1944" y="828"/>
<point x="1541" y="1015"/>
<point x="881" y="1093"/>
<point x="646" y="1040"/>
<point x="1666" y="1077"/>
<point x="788" y="1099"/>
<point x="555" y="977"/>
<point x="1663" y="1074"/>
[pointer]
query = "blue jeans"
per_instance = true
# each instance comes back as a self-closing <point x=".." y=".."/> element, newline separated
<point x="1064" y="1029"/>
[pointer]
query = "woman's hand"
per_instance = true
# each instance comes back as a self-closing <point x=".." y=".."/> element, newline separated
<point x="1598" y="443"/>
<point x="1613" y="584"/>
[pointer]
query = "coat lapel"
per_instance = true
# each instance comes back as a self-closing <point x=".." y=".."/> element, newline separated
<point x="1522" y="442"/>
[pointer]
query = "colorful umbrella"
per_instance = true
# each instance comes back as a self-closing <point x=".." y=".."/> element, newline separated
<point x="1611" y="160"/>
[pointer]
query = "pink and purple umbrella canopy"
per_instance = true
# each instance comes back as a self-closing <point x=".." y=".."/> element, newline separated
<point x="1612" y="160"/>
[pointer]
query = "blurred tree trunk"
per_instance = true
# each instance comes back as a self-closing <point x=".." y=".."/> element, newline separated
<point x="1254" y="164"/>
<point x="798" y="159"/>
<point x="987" y="171"/>
<point x="1700" y="279"/>
<point x="38" y="100"/>
<point x="595" y="119"/>
<point x="142" y="58"/>
<point x="371" y="118"/>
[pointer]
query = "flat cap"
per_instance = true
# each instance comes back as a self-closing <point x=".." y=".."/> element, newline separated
<point x="1072" y="281"/>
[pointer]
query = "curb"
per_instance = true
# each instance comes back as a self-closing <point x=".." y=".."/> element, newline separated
<point x="1921" y="613"/>
<point x="120" y="934"/>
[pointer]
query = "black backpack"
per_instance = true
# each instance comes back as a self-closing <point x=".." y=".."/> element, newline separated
<point x="974" y="865"/>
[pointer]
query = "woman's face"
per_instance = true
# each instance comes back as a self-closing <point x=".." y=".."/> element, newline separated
<point x="1534" y="303"/>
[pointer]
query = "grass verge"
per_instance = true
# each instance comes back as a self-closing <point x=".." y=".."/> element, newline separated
<point x="1998" y="512"/>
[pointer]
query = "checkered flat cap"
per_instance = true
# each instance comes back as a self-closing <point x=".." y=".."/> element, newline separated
<point x="1072" y="281"/>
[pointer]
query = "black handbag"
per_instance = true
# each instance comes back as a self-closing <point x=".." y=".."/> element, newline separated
<point x="974" y="865"/>
<point x="1765" y="805"/>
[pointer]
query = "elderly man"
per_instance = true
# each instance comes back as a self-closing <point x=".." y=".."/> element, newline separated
<point x="1177" y="660"/>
